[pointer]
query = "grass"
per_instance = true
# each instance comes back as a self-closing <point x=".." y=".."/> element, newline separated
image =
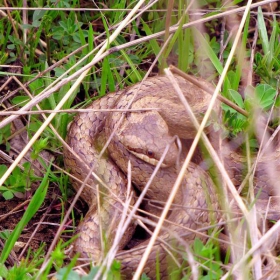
<point x="86" y="65"/>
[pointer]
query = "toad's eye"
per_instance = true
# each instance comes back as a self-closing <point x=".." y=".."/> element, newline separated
<point x="150" y="153"/>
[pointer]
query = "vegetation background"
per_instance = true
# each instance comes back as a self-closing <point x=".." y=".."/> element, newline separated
<point x="62" y="55"/>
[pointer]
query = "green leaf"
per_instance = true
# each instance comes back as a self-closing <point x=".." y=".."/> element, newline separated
<point x="5" y="132"/>
<point x="63" y="272"/>
<point x="132" y="66"/>
<point x="154" y="44"/>
<point x="263" y="31"/>
<point x="198" y="246"/>
<point x="144" y="277"/>
<point x="3" y="271"/>
<point x="8" y="195"/>
<point x="90" y="41"/>
<point x="37" y="16"/>
<point x="11" y="46"/>
<point x="204" y="44"/>
<point x="3" y="169"/>
<point x="5" y="234"/>
<point x="37" y="85"/>
<point x="237" y="98"/>
<point x="20" y="100"/>
<point x="265" y="95"/>
<point x="38" y="146"/>
<point x="105" y="73"/>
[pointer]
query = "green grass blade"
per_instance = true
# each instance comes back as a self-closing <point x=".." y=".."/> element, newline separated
<point x="32" y="208"/>
<point x="153" y="43"/>
<point x="263" y="31"/>
<point x="90" y="41"/>
<point x="209" y="51"/>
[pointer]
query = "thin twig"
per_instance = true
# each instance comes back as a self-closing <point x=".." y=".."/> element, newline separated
<point x="208" y="90"/>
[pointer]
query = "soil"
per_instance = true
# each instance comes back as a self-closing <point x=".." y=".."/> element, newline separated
<point x="42" y="227"/>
